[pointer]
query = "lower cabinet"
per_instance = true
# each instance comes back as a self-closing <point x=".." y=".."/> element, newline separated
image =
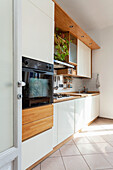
<point x="79" y="112"/>
<point x="86" y="110"/>
<point x="63" y="121"/>
<point x="35" y="148"/>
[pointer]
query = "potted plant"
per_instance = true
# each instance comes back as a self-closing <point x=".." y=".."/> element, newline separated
<point x="61" y="46"/>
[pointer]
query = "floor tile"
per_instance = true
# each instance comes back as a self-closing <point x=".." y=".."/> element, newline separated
<point x="79" y="140"/>
<point x="68" y="150"/>
<point x="96" y="139"/>
<point x="75" y="163"/>
<point x="37" y="167"/>
<point x="71" y="142"/>
<point x="109" y="157"/>
<point x="88" y="148"/>
<point x="97" y="161"/>
<point x="111" y="143"/>
<point x="108" y="137"/>
<point x="55" y="154"/>
<point x="55" y="163"/>
<point x="104" y="147"/>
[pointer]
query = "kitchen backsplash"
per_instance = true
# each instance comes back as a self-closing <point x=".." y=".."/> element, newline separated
<point x="91" y="83"/>
<point x="79" y="83"/>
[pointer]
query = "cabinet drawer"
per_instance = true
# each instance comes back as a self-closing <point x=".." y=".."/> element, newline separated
<point x="34" y="128"/>
<point x="34" y="114"/>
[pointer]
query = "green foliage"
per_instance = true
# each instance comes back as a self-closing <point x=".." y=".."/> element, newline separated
<point x="61" y="46"/>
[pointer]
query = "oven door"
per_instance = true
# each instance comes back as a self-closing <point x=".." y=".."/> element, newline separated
<point x="39" y="88"/>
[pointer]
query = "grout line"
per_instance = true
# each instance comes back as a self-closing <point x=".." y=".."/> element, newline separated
<point x="107" y="160"/>
<point x="62" y="159"/>
<point x="83" y="158"/>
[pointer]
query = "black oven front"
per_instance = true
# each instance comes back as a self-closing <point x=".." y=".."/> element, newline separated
<point x="38" y="77"/>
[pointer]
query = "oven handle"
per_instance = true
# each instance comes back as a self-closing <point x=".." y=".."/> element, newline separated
<point x="45" y="72"/>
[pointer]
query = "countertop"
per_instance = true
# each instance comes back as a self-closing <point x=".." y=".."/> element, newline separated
<point x="75" y="95"/>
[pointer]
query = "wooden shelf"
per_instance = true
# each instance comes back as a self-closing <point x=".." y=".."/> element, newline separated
<point x="74" y="64"/>
<point x="64" y="21"/>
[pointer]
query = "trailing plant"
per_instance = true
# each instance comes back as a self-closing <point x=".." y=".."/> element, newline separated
<point x="61" y="46"/>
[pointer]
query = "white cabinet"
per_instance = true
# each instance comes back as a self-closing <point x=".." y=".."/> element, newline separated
<point x="79" y="105"/>
<point x="35" y="148"/>
<point x="65" y="111"/>
<point x="86" y="110"/>
<point x="55" y="126"/>
<point x="63" y="121"/>
<point x="95" y="106"/>
<point x="83" y="60"/>
<point x="38" y="30"/>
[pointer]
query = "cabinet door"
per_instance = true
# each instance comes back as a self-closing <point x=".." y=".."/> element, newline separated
<point x="38" y="30"/>
<point x="79" y="113"/>
<point x="65" y="112"/>
<point x="35" y="148"/>
<point x="88" y="109"/>
<point x="95" y="106"/>
<point x="55" y="131"/>
<point x="83" y="60"/>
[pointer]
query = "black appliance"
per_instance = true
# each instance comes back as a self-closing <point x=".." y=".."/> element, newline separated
<point x="38" y="77"/>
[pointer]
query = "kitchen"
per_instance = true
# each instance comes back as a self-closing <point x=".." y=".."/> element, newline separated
<point x="59" y="86"/>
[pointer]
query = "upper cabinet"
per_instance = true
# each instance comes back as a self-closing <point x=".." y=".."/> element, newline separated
<point x="80" y="46"/>
<point x="83" y="60"/>
<point x="73" y="50"/>
<point x="38" y="30"/>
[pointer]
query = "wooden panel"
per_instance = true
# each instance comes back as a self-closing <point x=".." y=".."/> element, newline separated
<point x="63" y="21"/>
<point x="36" y="127"/>
<point x="33" y="114"/>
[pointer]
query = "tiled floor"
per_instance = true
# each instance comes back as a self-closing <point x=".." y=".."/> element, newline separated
<point x="89" y="150"/>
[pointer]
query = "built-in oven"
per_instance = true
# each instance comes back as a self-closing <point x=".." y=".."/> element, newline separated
<point x="38" y="78"/>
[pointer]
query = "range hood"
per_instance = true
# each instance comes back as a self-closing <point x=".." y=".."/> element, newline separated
<point x="61" y="65"/>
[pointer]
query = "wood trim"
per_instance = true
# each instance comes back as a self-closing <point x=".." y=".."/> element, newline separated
<point x="56" y="148"/>
<point x="64" y="21"/>
<point x="91" y="64"/>
<point x="37" y="113"/>
<point x="31" y="129"/>
<point x="92" y="121"/>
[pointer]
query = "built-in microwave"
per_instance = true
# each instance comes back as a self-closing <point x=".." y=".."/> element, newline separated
<point x="38" y="77"/>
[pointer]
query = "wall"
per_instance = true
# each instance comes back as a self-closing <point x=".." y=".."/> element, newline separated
<point x="91" y="83"/>
<point x="103" y="64"/>
<point x="77" y="83"/>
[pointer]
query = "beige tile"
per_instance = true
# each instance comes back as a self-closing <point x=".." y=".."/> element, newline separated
<point x="96" y="139"/>
<point x="71" y="142"/>
<point x="102" y="121"/>
<point x="88" y="148"/>
<point x="108" y="137"/>
<point x="111" y="143"/>
<point x="37" y="167"/>
<point x="55" y="154"/>
<point x="55" y="163"/>
<point x="68" y="150"/>
<point x="75" y="163"/>
<point x="79" y="140"/>
<point x="97" y="161"/>
<point x="108" y="127"/>
<point x="104" y="147"/>
<point x="109" y="157"/>
<point x="106" y="169"/>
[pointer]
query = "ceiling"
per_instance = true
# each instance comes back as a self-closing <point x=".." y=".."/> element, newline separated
<point x="89" y="14"/>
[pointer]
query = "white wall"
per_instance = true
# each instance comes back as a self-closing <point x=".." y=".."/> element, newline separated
<point x="103" y="64"/>
<point x="77" y="83"/>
